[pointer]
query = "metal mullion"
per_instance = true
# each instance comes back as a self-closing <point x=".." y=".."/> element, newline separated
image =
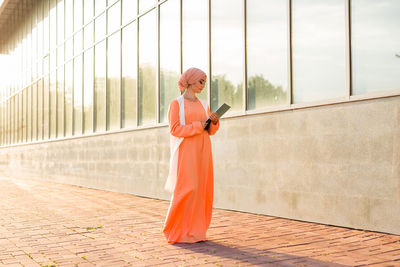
<point x="349" y="77"/>
<point x="244" y="93"/>
<point x="137" y="65"/>
<point x="209" y="87"/>
<point x="158" y="66"/>
<point x="290" y="53"/>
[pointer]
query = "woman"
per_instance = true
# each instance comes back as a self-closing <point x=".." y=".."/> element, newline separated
<point x="191" y="177"/>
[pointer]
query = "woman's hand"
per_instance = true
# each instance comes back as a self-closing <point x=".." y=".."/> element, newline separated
<point x="214" y="117"/>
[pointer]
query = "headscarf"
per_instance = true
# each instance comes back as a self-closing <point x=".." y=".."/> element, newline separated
<point x="189" y="77"/>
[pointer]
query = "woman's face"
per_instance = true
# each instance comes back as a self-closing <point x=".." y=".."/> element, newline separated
<point x="198" y="86"/>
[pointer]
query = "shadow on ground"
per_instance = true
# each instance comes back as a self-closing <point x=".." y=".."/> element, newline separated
<point x="251" y="255"/>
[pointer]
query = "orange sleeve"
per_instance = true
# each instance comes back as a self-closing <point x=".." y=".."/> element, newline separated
<point x="175" y="127"/>
<point x="213" y="127"/>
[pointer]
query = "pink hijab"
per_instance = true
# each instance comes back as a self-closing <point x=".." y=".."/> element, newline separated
<point x="189" y="77"/>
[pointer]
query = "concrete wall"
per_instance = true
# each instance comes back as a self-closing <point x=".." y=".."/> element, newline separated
<point x="337" y="164"/>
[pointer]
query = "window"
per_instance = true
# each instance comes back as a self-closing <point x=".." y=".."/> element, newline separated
<point x="147" y="68"/>
<point x="60" y="102"/>
<point x="375" y="45"/>
<point x="114" y="81"/>
<point x="318" y="50"/>
<point x="267" y="56"/>
<point x="129" y="75"/>
<point x="77" y="96"/>
<point x="169" y="55"/>
<point x="100" y="87"/>
<point x="227" y="60"/>
<point x="88" y="90"/>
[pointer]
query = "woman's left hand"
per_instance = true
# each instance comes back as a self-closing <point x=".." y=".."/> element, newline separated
<point x="214" y="117"/>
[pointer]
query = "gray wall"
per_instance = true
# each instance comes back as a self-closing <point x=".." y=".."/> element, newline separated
<point x="336" y="164"/>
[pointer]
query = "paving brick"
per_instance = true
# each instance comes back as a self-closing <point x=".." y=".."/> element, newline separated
<point x="43" y="223"/>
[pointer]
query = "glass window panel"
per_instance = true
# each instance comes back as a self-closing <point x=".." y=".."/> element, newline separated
<point x="53" y="104"/>
<point x="110" y="2"/>
<point x="60" y="102"/>
<point x="266" y="42"/>
<point x="53" y="60"/>
<point x="46" y="107"/>
<point x="147" y="68"/>
<point x="35" y="106"/>
<point x="145" y="5"/>
<point x="69" y="18"/>
<point x="46" y="34"/>
<point x="318" y="50"/>
<point x="89" y="10"/>
<point x="78" y="45"/>
<point x="60" y="21"/>
<point x="114" y="17"/>
<point x="129" y="75"/>
<point x="100" y="5"/>
<point x="53" y="24"/>
<point x="170" y="63"/>
<point x="100" y="87"/>
<point x="78" y="14"/>
<point x="19" y="116"/>
<point x="227" y="61"/>
<point x="24" y="115"/>
<point x="113" y="81"/>
<point x="69" y="49"/>
<point x="88" y="90"/>
<point x="68" y="83"/>
<point x="46" y="65"/>
<point x="100" y="27"/>
<point x="129" y="10"/>
<point x="78" y="79"/>
<point x="29" y="114"/>
<point x="375" y="45"/>
<point x="60" y="55"/>
<point x="88" y="35"/>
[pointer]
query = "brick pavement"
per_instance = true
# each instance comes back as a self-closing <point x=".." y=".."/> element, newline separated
<point x="51" y="224"/>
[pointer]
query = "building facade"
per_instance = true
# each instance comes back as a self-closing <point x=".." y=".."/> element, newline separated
<point x="314" y="129"/>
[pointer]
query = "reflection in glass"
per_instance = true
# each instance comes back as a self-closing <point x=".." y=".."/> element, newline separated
<point x="46" y="36"/>
<point x="60" y="102"/>
<point x="129" y="10"/>
<point x="266" y="53"/>
<point x="99" y="6"/>
<point x="114" y="82"/>
<point x="24" y="118"/>
<point x="78" y="14"/>
<point x="195" y="37"/>
<point x="78" y="95"/>
<point x="100" y="27"/>
<point x="100" y="87"/>
<point x="375" y="44"/>
<point x="169" y="55"/>
<point x="34" y="111"/>
<point x="53" y="60"/>
<point x="53" y="104"/>
<point x="60" y="21"/>
<point x="145" y="5"/>
<point x="60" y="55"/>
<point x="318" y="50"/>
<point x="129" y="75"/>
<point x="69" y="18"/>
<point x="88" y="8"/>
<point x="53" y="24"/>
<point x="29" y="114"/>
<point x="227" y="61"/>
<point x="19" y="110"/>
<point x="147" y="68"/>
<point x="114" y="18"/>
<point x="69" y="48"/>
<point x="88" y="35"/>
<point x="88" y="62"/>
<point x="68" y="97"/>
<point x="78" y="45"/>
<point x="39" y="110"/>
<point x="46" y="107"/>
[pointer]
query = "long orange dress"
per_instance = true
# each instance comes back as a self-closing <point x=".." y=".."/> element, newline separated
<point x="189" y="214"/>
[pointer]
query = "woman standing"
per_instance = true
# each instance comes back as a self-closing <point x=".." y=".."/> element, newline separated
<point x="191" y="177"/>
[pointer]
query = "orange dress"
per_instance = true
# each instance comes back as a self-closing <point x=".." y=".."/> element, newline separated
<point x="189" y="214"/>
